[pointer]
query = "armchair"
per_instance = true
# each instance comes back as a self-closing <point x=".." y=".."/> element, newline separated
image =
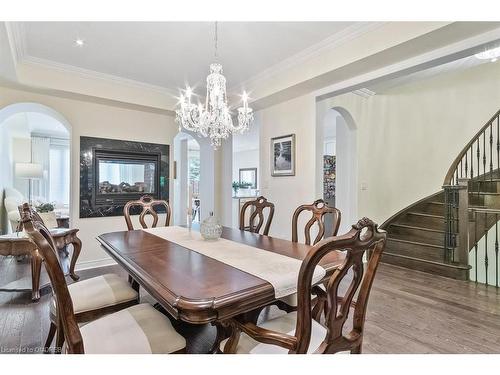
<point x="297" y="332"/>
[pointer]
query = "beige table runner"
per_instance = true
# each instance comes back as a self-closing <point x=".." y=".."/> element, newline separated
<point x="279" y="270"/>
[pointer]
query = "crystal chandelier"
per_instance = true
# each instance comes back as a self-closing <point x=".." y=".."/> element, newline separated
<point x="214" y="119"/>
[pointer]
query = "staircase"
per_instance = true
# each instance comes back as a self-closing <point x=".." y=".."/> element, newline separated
<point x="436" y="234"/>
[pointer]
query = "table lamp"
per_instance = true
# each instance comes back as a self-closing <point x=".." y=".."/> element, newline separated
<point x="29" y="171"/>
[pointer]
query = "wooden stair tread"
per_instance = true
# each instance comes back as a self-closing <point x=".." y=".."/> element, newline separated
<point x="416" y="227"/>
<point x="437" y="202"/>
<point x="483" y="192"/>
<point x="425" y="215"/>
<point x="486" y="180"/>
<point x="414" y="242"/>
<point x="457" y="266"/>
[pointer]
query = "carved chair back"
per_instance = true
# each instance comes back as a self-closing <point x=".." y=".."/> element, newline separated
<point x="319" y="209"/>
<point x="256" y="219"/>
<point x="363" y="238"/>
<point x="41" y="236"/>
<point x="147" y="204"/>
<point x="35" y="216"/>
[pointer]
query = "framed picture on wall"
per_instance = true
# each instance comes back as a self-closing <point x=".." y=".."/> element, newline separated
<point x="249" y="176"/>
<point x="283" y="155"/>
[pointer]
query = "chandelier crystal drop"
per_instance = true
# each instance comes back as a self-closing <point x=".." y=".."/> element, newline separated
<point x="214" y="118"/>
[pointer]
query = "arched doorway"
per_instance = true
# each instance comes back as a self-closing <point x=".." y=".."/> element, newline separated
<point x="187" y="181"/>
<point x="337" y="155"/>
<point x="34" y="136"/>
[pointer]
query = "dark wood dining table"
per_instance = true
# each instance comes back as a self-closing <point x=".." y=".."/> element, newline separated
<point x="196" y="288"/>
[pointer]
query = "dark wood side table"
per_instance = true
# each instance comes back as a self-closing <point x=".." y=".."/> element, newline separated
<point x="19" y="244"/>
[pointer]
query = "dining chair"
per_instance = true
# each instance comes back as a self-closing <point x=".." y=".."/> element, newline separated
<point x="60" y="236"/>
<point x="135" y="329"/>
<point x="92" y="298"/>
<point x="147" y="204"/>
<point x="319" y="210"/>
<point x="256" y="219"/>
<point x="297" y="332"/>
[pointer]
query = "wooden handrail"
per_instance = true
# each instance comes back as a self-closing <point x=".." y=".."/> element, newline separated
<point x="459" y="158"/>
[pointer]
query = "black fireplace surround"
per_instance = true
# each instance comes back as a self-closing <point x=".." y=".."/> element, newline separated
<point x="113" y="172"/>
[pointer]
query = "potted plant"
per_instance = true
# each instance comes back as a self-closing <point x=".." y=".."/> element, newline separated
<point x="46" y="212"/>
<point x="246" y="187"/>
<point x="236" y="186"/>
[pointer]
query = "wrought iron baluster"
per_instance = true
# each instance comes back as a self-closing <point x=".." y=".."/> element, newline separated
<point x="475" y="244"/>
<point x="496" y="250"/>
<point x="484" y="155"/>
<point x="498" y="142"/>
<point x="491" y="151"/>
<point x="478" y="154"/>
<point x="466" y="164"/>
<point x="486" y="246"/>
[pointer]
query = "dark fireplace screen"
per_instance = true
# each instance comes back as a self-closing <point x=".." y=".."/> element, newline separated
<point x="113" y="172"/>
<point x="123" y="176"/>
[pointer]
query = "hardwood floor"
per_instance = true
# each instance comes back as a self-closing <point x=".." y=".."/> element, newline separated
<point x="408" y="312"/>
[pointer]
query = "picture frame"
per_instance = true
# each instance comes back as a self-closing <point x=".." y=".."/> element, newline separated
<point x="283" y="156"/>
<point x="248" y="175"/>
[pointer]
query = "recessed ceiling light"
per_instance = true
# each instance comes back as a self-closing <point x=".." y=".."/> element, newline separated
<point x="490" y="54"/>
<point x="79" y="42"/>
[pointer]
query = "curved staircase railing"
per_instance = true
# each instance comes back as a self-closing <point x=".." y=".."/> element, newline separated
<point x="467" y="184"/>
<point x="476" y="154"/>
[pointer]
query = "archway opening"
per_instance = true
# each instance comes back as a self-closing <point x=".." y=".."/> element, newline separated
<point x="187" y="199"/>
<point x="35" y="160"/>
<point x="339" y="164"/>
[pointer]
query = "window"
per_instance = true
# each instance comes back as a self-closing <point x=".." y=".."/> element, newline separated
<point x="59" y="172"/>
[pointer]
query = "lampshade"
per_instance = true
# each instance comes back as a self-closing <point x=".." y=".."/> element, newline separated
<point x="29" y="170"/>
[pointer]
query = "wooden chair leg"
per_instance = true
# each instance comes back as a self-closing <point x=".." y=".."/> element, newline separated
<point x="357" y="349"/>
<point x="50" y="337"/>
<point x="36" y="266"/>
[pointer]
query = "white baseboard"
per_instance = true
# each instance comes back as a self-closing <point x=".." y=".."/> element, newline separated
<point x="94" y="264"/>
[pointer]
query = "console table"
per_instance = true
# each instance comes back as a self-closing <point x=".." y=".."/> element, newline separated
<point x="19" y="244"/>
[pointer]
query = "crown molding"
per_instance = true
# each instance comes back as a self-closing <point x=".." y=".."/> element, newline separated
<point x="17" y="40"/>
<point x="92" y="74"/>
<point x="342" y="37"/>
<point x="83" y="97"/>
<point x="438" y="56"/>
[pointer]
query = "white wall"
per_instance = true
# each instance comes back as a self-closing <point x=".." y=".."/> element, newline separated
<point x="408" y="136"/>
<point x="98" y="120"/>
<point x="245" y="159"/>
<point x="296" y="116"/>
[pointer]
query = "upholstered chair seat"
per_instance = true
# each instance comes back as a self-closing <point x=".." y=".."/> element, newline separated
<point x="283" y="324"/>
<point x="98" y="293"/>
<point x="140" y="329"/>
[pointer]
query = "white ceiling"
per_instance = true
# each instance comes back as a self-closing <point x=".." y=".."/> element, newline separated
<point x="171" y="54"/>
<point x="453" y="66"/>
